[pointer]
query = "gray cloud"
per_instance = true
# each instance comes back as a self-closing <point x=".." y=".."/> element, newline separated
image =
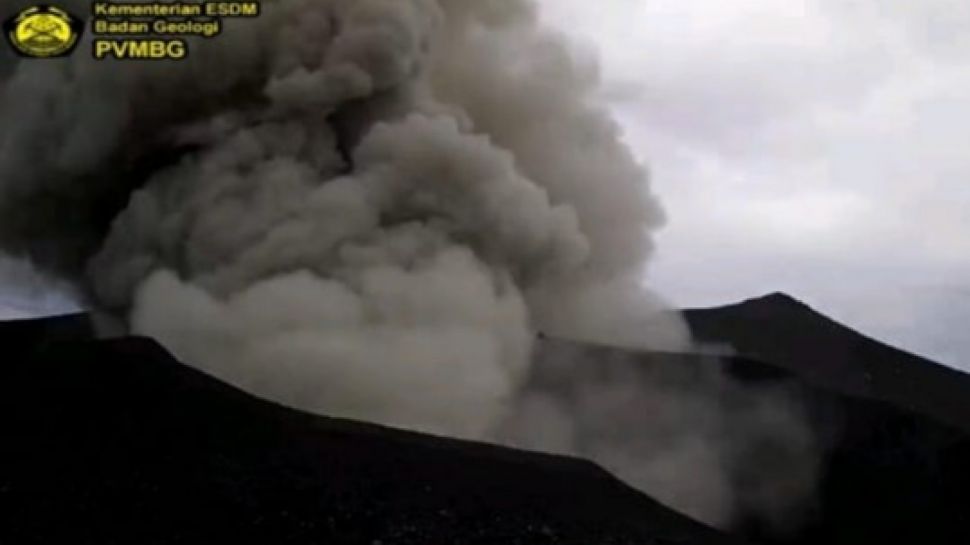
<point x="26" y="292"/>
<point x="816" y="147"/>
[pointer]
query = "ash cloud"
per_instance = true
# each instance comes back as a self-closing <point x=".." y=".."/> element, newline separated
<point x="432" y="176"/>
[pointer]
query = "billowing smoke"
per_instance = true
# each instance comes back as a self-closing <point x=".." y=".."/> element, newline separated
<point x="362" y="208"/>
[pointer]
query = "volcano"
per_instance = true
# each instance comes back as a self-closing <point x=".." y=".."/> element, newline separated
<point x="789" y="334"/>
<point x="895" y="462"/>
<point x="114" y="441"/>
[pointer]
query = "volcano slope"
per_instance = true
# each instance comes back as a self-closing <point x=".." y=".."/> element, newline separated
<point x="115" y="442"/>
<point x="780" y="330"/>
<point x="892" y="427"/>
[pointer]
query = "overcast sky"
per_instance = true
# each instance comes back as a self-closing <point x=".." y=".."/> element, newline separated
<point x="818" y="147"/>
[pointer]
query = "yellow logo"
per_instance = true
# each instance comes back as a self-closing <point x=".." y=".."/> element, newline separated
<point x="43" y="32"/>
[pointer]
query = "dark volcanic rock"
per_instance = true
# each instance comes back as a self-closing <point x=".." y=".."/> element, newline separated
<point x="782" y="331"/>
<point x="18" y="336"/>
<point x="113" y="442"/>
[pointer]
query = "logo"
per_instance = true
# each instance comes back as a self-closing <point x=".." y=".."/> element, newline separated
<point x="43" y="32"/>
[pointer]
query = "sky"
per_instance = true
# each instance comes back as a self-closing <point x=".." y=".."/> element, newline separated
<point x="815" y="147"/>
